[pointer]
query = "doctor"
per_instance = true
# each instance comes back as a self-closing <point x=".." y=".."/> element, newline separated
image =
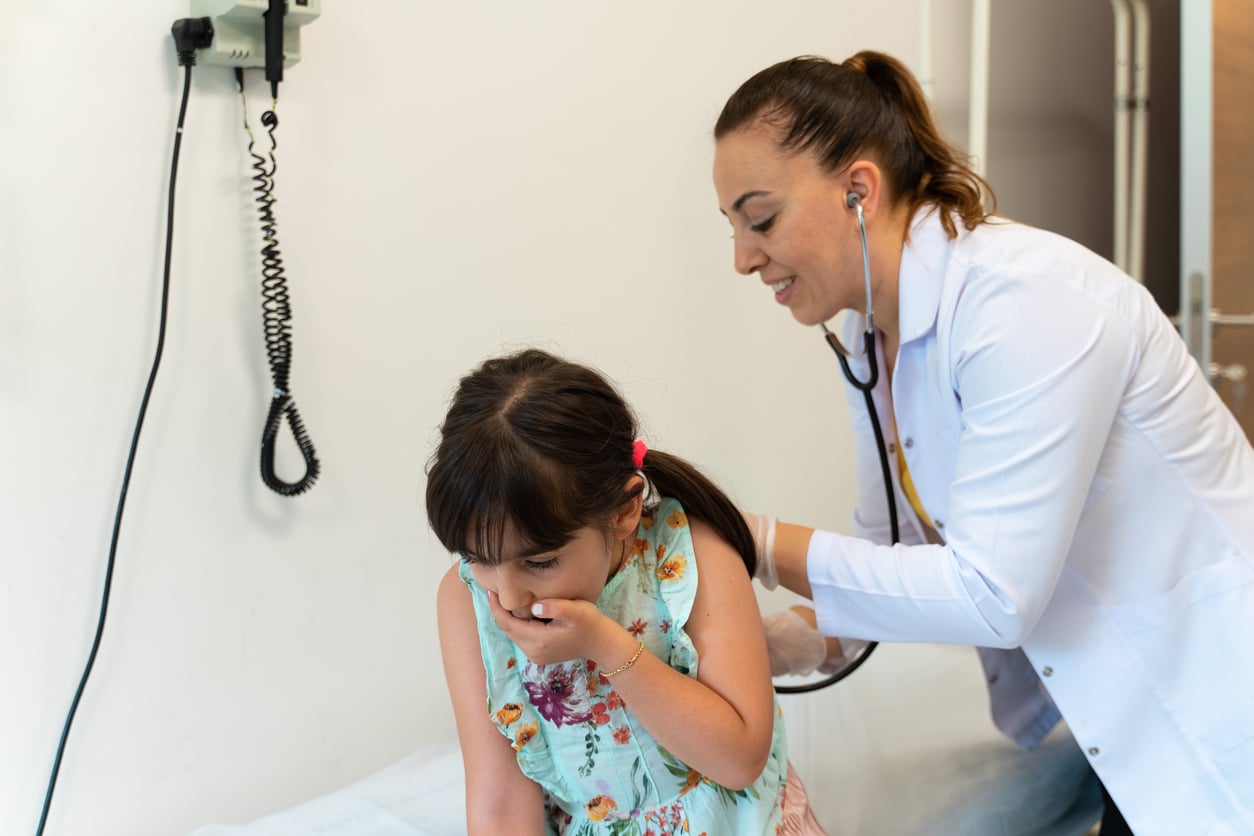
<point x="1076" y="501"/>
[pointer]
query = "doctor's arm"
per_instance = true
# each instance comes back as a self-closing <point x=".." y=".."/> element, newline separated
<point x="781" y="549"/>
<point x="793" y="642"/>
<point x="1037" y="372"/>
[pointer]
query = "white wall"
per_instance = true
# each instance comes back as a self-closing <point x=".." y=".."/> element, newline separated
<point x="454" y="179"/>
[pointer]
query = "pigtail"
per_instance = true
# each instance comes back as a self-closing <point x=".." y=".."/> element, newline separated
<point x="703" y="500"/>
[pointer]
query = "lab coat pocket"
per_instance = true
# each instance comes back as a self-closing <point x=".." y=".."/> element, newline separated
<point x="1194" y="643"/>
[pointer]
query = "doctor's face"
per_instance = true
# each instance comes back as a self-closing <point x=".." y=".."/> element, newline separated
<point x="790" y="225"/>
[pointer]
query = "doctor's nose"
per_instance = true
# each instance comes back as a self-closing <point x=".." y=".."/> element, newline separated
<point x="747" y="257"/>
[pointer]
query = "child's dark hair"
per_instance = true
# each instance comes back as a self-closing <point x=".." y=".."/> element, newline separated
<point x="544" y="446"/>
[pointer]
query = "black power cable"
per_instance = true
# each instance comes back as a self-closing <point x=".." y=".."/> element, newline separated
<point x="189" y="34"/>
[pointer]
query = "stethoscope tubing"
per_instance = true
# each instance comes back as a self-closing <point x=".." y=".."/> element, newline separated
<point x="866" y="387"/>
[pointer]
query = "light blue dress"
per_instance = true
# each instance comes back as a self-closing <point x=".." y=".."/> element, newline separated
<point x="601" y="770"/>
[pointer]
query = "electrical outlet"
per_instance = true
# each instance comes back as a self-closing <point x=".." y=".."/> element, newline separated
<point x="239" y="31"/>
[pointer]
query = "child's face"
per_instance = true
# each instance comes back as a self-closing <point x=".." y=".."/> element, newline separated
<point x="577" y="571"/>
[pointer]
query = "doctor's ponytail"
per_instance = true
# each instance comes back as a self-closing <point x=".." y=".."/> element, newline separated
<point x="868" y="105"/>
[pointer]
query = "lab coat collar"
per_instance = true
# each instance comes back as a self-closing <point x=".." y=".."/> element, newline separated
<point x="923" y="261"/>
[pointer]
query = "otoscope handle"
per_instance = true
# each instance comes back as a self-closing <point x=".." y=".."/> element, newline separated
<point x="274" y="44"/>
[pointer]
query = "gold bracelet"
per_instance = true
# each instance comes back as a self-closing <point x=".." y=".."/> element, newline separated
<point x="625" y="665"/>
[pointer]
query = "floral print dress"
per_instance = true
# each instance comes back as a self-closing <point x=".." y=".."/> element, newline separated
<point x="601" y="770"/>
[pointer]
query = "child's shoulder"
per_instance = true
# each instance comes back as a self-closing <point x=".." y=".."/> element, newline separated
<point x="668" y="524"/>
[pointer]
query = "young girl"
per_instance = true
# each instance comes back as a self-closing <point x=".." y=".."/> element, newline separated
<point x="600" y="634"/>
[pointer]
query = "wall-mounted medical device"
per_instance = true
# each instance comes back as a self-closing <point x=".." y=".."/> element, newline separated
<point x="239" y="30"/>
<point x="262" y="34"/>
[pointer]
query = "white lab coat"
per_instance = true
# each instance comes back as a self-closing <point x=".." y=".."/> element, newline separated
<point x="1097" y="505"/>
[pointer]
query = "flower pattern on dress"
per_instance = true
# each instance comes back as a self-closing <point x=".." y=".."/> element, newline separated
<point x="559" y="695"/>
<point x="508" y="713"/>
<point x="638" y="548"/>
<point x="672" y="569"/>
<point x="523" y="736"/>
<point x="637" y="627"/>
<point x="600" y="807"/>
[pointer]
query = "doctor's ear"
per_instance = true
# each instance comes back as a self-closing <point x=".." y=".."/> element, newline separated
<point x="863" y="185"/>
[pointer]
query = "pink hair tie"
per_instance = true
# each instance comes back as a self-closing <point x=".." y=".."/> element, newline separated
<point x="638" y="449"/>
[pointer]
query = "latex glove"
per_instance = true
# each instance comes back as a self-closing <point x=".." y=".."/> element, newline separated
<point x="763" y="529"/>
<point x="850" y="650"/>
<point x="792" y="644"/>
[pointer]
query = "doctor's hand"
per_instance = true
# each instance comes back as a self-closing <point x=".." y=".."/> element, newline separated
<point x="561" y="630"/>
<point x="795" y="645"/>
<point x="792" y="643"/>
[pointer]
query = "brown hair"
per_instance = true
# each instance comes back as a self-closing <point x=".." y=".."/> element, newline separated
<point x="545" y="445"/>
<point x="868" y="104"/>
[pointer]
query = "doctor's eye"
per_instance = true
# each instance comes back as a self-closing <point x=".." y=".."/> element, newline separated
<point x="763" y="226"/>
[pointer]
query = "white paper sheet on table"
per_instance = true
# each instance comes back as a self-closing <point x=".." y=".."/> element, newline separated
<point x="420" y="795"/>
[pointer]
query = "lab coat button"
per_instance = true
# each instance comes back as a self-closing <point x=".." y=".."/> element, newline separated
<point x="939" y="525"/>
<point x="1048" y="671"/>
<point x="1093" y="750"/>
<point x="909" y="442"/>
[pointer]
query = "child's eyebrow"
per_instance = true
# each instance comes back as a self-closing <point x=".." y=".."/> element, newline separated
<point x="535" y="551"/>
<point x="526" y="554"/>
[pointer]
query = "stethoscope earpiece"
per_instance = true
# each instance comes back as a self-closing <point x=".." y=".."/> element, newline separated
<point x="854" y="201"/>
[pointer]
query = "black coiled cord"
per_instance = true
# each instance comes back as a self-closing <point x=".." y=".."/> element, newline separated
<point x="276" y="312"/>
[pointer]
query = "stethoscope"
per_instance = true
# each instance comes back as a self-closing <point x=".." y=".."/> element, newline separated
<point x="865" y="387"/>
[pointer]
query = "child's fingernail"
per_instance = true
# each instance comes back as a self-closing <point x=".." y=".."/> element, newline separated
<point x="537" y="609"/>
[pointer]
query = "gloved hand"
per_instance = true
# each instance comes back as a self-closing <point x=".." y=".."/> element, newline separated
<point x="763" y="529"/>
<point x="793" y="646"/>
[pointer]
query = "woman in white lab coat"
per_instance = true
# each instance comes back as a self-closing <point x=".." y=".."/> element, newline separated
<point x="1075" y="499"/>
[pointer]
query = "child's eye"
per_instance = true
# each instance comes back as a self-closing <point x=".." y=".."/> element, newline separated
<point x="763" y="226"/>
<point x="542" y="564"/>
